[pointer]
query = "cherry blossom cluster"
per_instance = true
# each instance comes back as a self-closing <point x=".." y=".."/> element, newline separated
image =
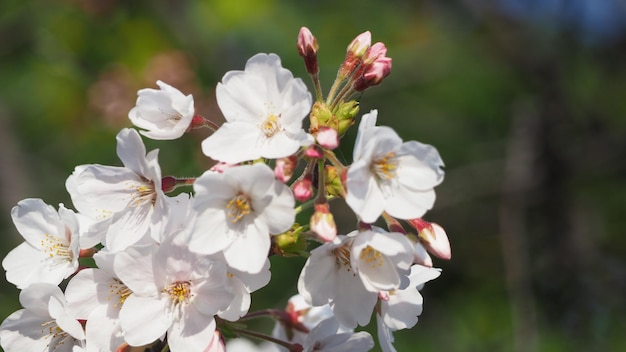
<point x="143" y="267"/>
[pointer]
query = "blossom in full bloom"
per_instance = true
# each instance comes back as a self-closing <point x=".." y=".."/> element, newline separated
<point x="51" y="248"/>
<point x="264" y="106"/>
<point x="349" y="272"/>
<point x="97" y="295"/>
<point x="128" y="198"/>
<point x="44" y="324"/>
<point x="399" y="309"/>
<point x="174" y="291"/>
<point x="164" y="113"/>
<point x="237" y="210"/>
<point x="390" y="175"/>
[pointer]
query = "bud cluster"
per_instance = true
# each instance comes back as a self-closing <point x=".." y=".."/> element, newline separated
<point x="177" y="272"/>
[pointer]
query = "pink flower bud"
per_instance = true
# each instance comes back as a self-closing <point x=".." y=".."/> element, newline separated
<point x="373" y="74"/>
<point x="313" y="153"/>
<point x="327" y="137"/>
<point x="303" y="189"/>
<point x="433" y="237"/>
<point x="375" y="52"/>
<point x="359" y="45"/>
<point x="323" y="223"/>
<point x="284" y="168"/>
<point x="168" y="183"/>
<point x="307" y="48"/>
<point x="383" y="295"/>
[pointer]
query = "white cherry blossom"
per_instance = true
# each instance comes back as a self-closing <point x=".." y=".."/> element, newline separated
<point x="43" y="325"/>
<point x="237" y="210"/>
<point x="128" y="197"/>
<point x="390" y="175"/>
<point x="399" y="309"/>
<point x="164" y="113"/>
<point x="349" y="272"/>
<point x="264" y="106"/>
<point x="174" y="291"/>
<point x="51" y="248"/>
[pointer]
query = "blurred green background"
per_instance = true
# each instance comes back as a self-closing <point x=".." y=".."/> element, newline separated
<point x="525" y="100"/>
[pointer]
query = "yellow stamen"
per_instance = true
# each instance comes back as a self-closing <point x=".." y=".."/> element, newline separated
<point x="238" y="207"/>
<point x="385" y="168"/>
<point x="271" y="125"/>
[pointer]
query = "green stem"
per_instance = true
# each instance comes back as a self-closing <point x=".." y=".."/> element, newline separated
<point x="318" y="87"/>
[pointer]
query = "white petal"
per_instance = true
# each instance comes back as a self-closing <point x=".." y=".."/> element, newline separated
<point x="234" y="142"/>
<point x="194" y="333"/>
<point x="144" y="319"/>
<point x="35" y="220"/>
<point x="131" y="150"/>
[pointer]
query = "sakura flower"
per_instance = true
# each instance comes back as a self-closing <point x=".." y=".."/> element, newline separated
<point x="51" y="248"/>
<point x="97" y="295"/>
<point x="389" y="175"/>
<point x="174" y="291"/>
<point x="129" y="198"/>
<point x="43" y="325"/>
<point x="264" y="107"/>
<point x="349" y="272"/>
<point x="300" y="316"/>
<point x="326" y="338"/>
<point x="164" y="113"/>
<point x="237" y="211"/>
<point x="399" y="309"/>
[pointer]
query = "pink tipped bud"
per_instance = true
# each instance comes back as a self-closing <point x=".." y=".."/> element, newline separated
<point x="168" y="183"/>
<point x="383" y="295"/>
<point x="307" y="48"/>
<point x="375" y="52"/>
<point x="433" y="237"/>
<point x="284" y="168"/>
<point x="313" y="153"/>
<point x="327" y="137"/>
<point x="373" y="74"/>
<point x="323" y="223"/>
<point x="360" y="44"/>
<point x="303" y="189"/>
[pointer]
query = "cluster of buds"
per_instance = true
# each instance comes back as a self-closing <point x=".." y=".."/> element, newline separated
<point x="177" y="272"/>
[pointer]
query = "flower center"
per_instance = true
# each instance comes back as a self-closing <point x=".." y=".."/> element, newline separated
<point x="179" y="292"/>
<point x="386" y="167"/>
<point x="57" y="250"/>
<point x="238" y="207"/>
<point x="120" y="290"/>
<point x="372" y="257"/>
<point x="342" y="257"/>
<point x="57" y="336"/>
<point x="271" y="125"/>
<point x="142" y="192"/>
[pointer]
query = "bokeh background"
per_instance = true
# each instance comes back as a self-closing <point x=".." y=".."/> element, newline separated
<point x="525" y="100"/>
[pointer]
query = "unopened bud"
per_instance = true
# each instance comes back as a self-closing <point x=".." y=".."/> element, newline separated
<point x="374" y="53"/>
<point x="433" y="237"/>
<point x="327" y="137"/>
<point x="373" y="74"/>
<point x="346" y="114"/>
<point x="323" y="223"/>
<point x="333" y="182"/>
<point x="307" y="48"/>
<point x="383" y="295"/>
<point x="313" y="152"/>
<point x="303" y="189"/>
<point x="361" y="44"/>
<point x="284" y="168"/>
<point x="290" y="243"/>
<point x="320" y="116"/>
<point x="168" y="183"/>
